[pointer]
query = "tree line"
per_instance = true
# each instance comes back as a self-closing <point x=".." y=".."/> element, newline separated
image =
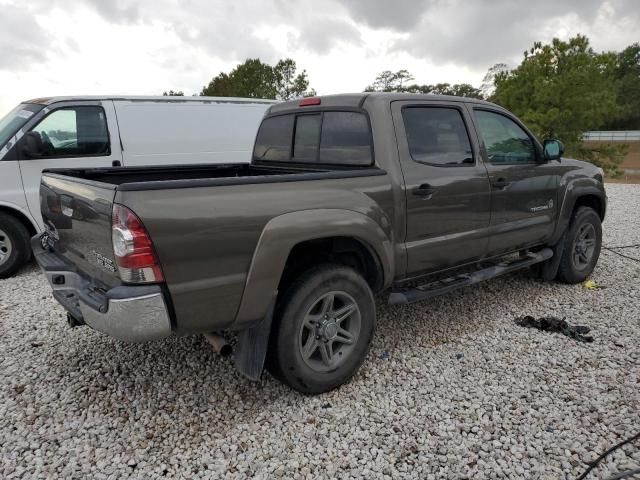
<point x="255" y="79"/>
<point x="560" y="90"/>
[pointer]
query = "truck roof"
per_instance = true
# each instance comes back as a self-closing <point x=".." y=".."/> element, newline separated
<point x="355" y="100"/>
<point x="147" y="98"/>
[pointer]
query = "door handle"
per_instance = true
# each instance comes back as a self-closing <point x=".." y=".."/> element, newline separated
<point x="424" y="190"/>
<point x="116" y="163"/>
<point x="501" y="183"/>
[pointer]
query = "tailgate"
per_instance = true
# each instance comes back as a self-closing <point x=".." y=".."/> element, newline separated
<point x="77" y="217"/>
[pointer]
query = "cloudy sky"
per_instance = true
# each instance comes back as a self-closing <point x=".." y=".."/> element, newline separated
<point x="63" y="47"/>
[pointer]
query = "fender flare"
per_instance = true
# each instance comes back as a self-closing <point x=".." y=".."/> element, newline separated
<point x="572" y="193"/>
<point x="284" y="232"/>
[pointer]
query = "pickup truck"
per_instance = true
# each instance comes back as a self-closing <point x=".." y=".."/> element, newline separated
<point x="346" y="197"/>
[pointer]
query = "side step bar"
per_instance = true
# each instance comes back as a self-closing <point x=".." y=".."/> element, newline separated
<point x="433" y="289"/>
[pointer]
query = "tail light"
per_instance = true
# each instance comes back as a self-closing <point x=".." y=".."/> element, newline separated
<point x="132" y="247"/>
<point x="306" y="102"/>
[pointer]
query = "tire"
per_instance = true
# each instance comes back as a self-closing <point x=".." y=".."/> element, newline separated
<point x="579" y="257"/>
<point x="332" y="307"/>
<point x="14" y="245"/>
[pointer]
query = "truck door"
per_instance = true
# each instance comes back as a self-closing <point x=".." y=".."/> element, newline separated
<point x="446" y="185"/>
<point x="523" y="188"/>
<point x="68" y="135"/>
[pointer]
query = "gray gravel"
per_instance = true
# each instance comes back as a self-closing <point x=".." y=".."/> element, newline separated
<point x="452" y="389"/>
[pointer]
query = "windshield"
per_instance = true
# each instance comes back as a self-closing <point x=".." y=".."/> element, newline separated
<point x="15" y="119"/>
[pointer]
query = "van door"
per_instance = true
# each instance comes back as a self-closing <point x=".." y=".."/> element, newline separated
<point x="69" y="135"/>
<point x="446" y="185"/>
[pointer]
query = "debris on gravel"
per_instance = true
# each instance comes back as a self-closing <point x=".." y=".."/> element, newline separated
<point x="452" y="388"/>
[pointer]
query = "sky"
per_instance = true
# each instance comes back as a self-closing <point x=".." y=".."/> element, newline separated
<point x="144" y="47"/>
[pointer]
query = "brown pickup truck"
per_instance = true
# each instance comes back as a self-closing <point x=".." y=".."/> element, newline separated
<point x="347" y="196"/>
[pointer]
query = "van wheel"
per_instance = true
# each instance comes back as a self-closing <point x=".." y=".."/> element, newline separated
<point x="582" y="246"/>
<point x="14" y="245"/>
<point x="322" y="329"/>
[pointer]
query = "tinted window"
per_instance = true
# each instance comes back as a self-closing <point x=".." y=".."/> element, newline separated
<point x="346" y="139"/>
<point x="504" y="139"/>
<point x="305" y="145"/>
<point x="274" y="139"/>
<point x="339" y="138"/>
<point x="70" y="132"/>
<point x="437" y="136"/>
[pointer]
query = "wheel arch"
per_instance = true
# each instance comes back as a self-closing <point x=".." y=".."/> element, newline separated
<point x="579" y="193"/>
<point x="23" y="217"/>
<point x="288" y="240"/>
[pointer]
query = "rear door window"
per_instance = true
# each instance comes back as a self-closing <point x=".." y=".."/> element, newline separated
<point x="437" y="136"/>
<point x="332" y="138"/>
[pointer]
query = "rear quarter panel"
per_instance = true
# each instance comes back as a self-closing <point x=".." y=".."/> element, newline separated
<point x="206" y="237"/>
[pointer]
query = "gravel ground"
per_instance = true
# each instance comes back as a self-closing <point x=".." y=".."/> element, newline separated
<point x="452" y="388"/>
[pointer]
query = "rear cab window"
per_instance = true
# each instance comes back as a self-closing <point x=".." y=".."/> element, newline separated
<point x="340" y="138"/>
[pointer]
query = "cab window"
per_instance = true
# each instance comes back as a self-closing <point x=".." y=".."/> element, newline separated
<point x="437" y="136"/>
<point x="330" y="138"/>
<point x="505" y="141"/>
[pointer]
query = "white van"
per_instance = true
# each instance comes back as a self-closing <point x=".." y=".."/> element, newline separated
<point x="84" y="132"/>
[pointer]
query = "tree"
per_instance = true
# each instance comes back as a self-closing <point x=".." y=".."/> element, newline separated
<point x="173" y="93"/>
<point x="389" y="81"/>
<point x="288" y="84"/>
<point x="255" y="79"/>
<point x="488" y="82"/>
<point x="561" y="90"/>
<point x="626" y="72"/>
<point x="252" y="79"/>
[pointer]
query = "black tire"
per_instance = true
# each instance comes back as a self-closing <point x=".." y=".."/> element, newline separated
<point x="14" y="241"/>
<point x="576" y="268"/>
<point x="342" y="286"/>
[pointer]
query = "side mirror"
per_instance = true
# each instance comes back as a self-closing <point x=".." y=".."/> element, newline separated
<point x="31" y="145"/>
<point x="553" y="149"/>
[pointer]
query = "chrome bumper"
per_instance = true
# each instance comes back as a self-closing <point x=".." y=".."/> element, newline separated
<point x="130" y="313"/>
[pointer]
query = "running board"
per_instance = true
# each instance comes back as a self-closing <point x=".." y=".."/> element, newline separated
<point x="433" y="289"/>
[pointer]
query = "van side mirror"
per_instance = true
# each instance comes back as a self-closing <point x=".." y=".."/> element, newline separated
<point x="553" y="149"/>
<point x="31" y="145"/>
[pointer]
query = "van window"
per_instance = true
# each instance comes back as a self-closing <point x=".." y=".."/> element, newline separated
<point x="71" y="132"/>
<point x="15" y="120"/>
<point x="437" y="136"/>
<point x="334" y="138"/>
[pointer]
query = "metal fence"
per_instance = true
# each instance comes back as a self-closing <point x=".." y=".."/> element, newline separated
<point x="612" y="136"/>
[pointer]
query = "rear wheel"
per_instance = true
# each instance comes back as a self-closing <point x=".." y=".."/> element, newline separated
<point x="582" y="246"/>
<point x="322" y="329"/>
<point x="14" y="245"/>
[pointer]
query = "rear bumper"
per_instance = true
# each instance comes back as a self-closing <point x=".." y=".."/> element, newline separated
<point x="131" y="313"/>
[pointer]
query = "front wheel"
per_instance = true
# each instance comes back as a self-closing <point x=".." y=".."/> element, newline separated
<point x="14" y="245"/>
<point x="323" y="326"/>
<point x="582" y="246"/>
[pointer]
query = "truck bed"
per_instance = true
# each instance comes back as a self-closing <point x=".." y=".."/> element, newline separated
<point x="172" y="176"/>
